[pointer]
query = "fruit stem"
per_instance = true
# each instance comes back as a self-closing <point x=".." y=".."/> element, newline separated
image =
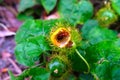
<point x="83" y="60"/>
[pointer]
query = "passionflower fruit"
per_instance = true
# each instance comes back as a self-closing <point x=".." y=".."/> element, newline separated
<point x="64" y="38"/>
<point x="106" y="16"/>
<point x="57" y="67"/>
<point x="61" y="37"/>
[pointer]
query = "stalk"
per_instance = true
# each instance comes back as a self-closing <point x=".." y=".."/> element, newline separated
<point x="88" y="66"/>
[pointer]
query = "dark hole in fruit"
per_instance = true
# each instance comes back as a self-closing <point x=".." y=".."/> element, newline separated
<point x="62" y="35"/>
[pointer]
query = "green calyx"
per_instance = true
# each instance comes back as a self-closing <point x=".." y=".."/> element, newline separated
<point x="106" y="16"/>
<point x="58" y="65"/>
<point x="64" y="38"/>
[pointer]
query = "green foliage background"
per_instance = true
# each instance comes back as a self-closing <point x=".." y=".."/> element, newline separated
<point x="100" y="46"/>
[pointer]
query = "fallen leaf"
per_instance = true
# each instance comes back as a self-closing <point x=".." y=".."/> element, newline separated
<point x="6" y="33"/>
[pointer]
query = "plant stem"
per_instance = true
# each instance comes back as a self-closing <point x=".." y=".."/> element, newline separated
<point x="83" y="60"/>
<point x="38" y="65"/>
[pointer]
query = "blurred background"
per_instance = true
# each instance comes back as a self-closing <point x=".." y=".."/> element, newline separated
<point x="12" y="14"/>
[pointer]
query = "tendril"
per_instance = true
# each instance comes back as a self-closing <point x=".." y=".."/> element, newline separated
<point x="88" y="66"/>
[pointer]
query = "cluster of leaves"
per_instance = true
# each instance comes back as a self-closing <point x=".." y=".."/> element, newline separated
<point x="73" y="11"/>
<point x="48" y="5"/>
<point x="101" y="50"/>
<point x="100" y="46"/>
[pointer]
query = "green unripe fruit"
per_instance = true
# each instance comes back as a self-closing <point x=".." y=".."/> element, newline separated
<point x="106" y="16"/>
<point x="57" y="67"/>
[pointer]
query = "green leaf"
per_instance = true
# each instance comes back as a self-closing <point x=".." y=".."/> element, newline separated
<point x="88" y="26"/>
<point x="46" y="26"/>
<point x="86" y="77"/>
<point x="39" y="74"/>
<point x="116" y="43"/>
<point x="25" y="4"/>
<point x="115" y="71"/>
<point x="107" y="50"/>
<point x="31" y="40"/>
<point x="76" y="12"/>
<point x="63" y="7"/>
<point x="103" y="71"/>
<point x="70" y="77"/>
<point x="32" y="28"/>
<point x="28" y="29"/>
<point x="38" y="1"/>
<point x="48" y="5"/>
<point x="116" y="6"/>
<point x="99" y="34"/>
<point x="27" y="53"/>
<point x="41" y="41"/>
<point x="107" y="70"/>
<point x="35" y="73"/>
<point x="85" y="11"/>
<point x="93" y="33"/>
<point x="77" y="63"/>
<point x="12" y="77"/>
<point x="24" y="52"/>
<point x="114" y="51"/>
<point x="23" y="17"/>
